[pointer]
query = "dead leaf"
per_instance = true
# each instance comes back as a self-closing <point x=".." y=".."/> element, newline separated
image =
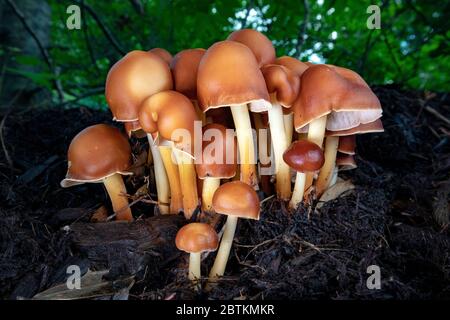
<point x="338" y="189"/>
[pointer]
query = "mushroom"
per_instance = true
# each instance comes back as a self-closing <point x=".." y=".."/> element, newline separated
<point x="171" y="116"/>
<point x="218" y="161"/>
<point x="332" y="98"/>
<point x="229" y="76"/>
<point x="101" y="154"/>
<point x="298" y="68"/>
<point x="260" y="45"/>
<point x="303" y="156"/>
<point x="195" y="238"/>
<point x="341" y="141"/>
<point x="133" y="78"/>
<point x="184" y="68"/>
<point x="162" y="53"/>
<point x="236" y="200"/>
<point x="283" y="85"/>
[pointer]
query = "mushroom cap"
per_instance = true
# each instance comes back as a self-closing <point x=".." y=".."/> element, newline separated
<point x="238" y="199"/>
<point x="347" y="144"/>
<point x="337" y="92"/>
<point x="293" y="64"/>
<point x="211" y="163"/>
<point x="304" y="156"/>
<point x="229" y="75"/>
<point x="184" y="68"/>
<point x="345" y="162"/>
<point x="197" y="237"/>
<point x="260" y="45"/>
<point x="95" y="153"/>
<point x="133" y="78"/>
<point x="169" y="113"/>
<point x="282" y="82"/>
<point x="162" y="53"/>
<point x="371" y="127"/>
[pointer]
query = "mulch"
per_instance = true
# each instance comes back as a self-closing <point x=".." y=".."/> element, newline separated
<point x="396" y="218"/>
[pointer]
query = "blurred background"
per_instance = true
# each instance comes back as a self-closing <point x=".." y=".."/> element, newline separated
<point x="44" y="63"/>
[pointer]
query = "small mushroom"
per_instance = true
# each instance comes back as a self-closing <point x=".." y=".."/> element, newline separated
<point x="195" y="238"/>
<point x="218" y="161"/>
<point x="101" y="154"/>
<point x="166" y="114"/>
<point x="235" y="200"/>
<point x="303" y="156"/>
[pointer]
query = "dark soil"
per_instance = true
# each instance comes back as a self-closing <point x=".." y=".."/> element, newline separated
<point x="396" y="218"/>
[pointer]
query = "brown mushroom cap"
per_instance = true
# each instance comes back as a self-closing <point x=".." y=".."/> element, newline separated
<point x="293" y="64"/>
<point x="229" y="75"/>
<point x="337" y="92"/>
<point x="345" y="162"/>
<point x="282" y="82"/>
<point x="133" y="78"/>
<point x="162" y="53"/>
<point x="208" y="167"/>
<point x="347" y="144"/>
<point x="95" y="153"/>
<point x="372" y="127"/>
<point x="260" y="45"/>
<point x="184" y="68"/>
<point x="238" y="199"/>
<point x="197" y="237"/>
<point x="304" y="156"/>
<point x="167" y="111"/>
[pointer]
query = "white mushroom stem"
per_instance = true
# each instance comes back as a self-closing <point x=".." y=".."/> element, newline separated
<point x="288" y="120"/>
<point x="195" y="269"/>
<point x="246" y="145"/>
<point x="118" y="194"/>
<point x="218" y="269"/>
<point x="176" y="197"/>
<point x="326" y="173"/>
<point x="278" y="136"/>
<point x="194" y="266"/>
<point x="210" y="185"/>
<point x="162" y="182"/>
<point x="188" y="181"/>
<point x="299" y="190"/>
<point x="316" y="134"/>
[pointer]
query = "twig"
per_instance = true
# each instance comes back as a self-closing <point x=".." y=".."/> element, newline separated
<point x="42" y="49"/>
<point x="102" y="26"/>
<point x="90" y="93"/>
<point x="437" y="114"/>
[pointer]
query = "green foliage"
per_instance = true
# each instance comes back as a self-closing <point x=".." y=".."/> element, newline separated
<point x="410" y="49"/>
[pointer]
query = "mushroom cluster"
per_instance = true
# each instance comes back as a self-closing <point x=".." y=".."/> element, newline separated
<point x="221" y="124"/>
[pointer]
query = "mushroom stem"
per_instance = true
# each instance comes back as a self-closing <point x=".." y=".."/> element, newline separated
<point x="288" y="120"/>
<point x="299" y="189"/>
<point x="220" y="263"/>
<point x="117" y="193"/>
<point x="162" y="183"/>
<point x="210" y="186"/>
<point x="176" y="197"/>
<point x="188" y="181"/>
<point x="246" y="145"/>
<point x="316" y="134"/>
<point x="278" y="136"/>
<point x="194" y="266"/>
<point x="326" y="173"/>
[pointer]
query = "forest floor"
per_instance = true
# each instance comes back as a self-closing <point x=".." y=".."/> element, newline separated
<point x="397" y="217"/>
